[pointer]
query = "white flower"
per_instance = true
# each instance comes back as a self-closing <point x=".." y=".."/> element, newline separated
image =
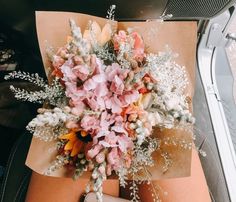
<point x="154" y="118"/>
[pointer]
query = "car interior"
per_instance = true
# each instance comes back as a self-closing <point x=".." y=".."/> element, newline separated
<point x="214" y="103"/>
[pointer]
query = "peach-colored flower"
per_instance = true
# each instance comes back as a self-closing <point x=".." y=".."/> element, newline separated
<point x="138" y="49"/>
<point x="134" y="39"/>
<point x="97" y="35"/>
<point x="119" y="38"/>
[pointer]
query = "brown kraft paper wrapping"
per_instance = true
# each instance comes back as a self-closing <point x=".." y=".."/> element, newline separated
<point x="54" y="28"/>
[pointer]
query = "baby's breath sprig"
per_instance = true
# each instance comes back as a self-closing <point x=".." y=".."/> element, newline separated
<point x="104" y="53"/>
<point x="57" y="164"/>
<point x="134" y="190"/>
<point x="53" y="94"/>
<point x="80" y="166"/>
<point x="111" y="12"/>
<point x="32" y="78"/>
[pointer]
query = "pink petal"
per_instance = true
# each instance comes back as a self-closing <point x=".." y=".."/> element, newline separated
<point x="102" y="134"/>
<point x="78" y="109"/>
<point x="89" y="85"/>
<point x="119" y="129"/>
<point x="116" y="105"/>
<point x="104" y="144"/>
<point x="101" y="90"/>
<point x="112" y="157"/>
<point x="81" y="71"/>
<point x="68" y="74"/>
<point x="117" y="86"/>
<point x="101" y="103"/>
<point x="99" y="78"/>
<point x="93" y="104"/>
<point x="94" y="151"/>
<point x="112" y="71"/>
<point x="125" y="143"/>
<point x="131" y="97"/>
<point x="108" y="103"/>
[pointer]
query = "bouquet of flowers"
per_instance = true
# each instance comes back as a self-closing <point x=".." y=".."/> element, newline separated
<point x="107" y="101"/>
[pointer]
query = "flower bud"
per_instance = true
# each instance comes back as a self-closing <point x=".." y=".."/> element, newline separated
<point x="100" y="157"/>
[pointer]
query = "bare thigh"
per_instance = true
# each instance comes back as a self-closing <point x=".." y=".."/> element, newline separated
<point x="188" y="189"/>
<point x="53" y="189"/>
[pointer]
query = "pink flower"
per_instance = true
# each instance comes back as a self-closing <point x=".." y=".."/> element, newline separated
<point x="101" y="103"/>
<point x="117" y="86"/>
<point x="114" y="104"/>
<point x="89" y="123"/>
<point x="138" y="49"/>
<point x="119" y="38"/>
<point x="119" y="120"/>
<point x="81" y="71"/>
<point x="71" y="89"/>
<point x="125" y="143"/>
<point x="68" y="74"/>
<point x="93" y="82"/>
<point x="95" y="64"/>
<point x="91" y="153"/>
<point x="100" y="157"/>
<point x="110" y="140"/>
<point x="78" y="95"/>
<point x="57" y="61"/>
<point x="119" y="129"/>
<point x="78" y="109"/>
<point x="113" y="158"/>
<point x="105" y="121"/>
<point x="90" y="84"/>
<point x="133" y="38"/>
<point x="99" y="78"/>
<point x="101" y="90"/>
<point x="92" y="103"/>
<point x="129" y="97"/>
<point x="112" y="71"/>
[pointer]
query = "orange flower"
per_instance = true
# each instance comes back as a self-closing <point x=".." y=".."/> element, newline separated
<point x="74" y="144"/>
